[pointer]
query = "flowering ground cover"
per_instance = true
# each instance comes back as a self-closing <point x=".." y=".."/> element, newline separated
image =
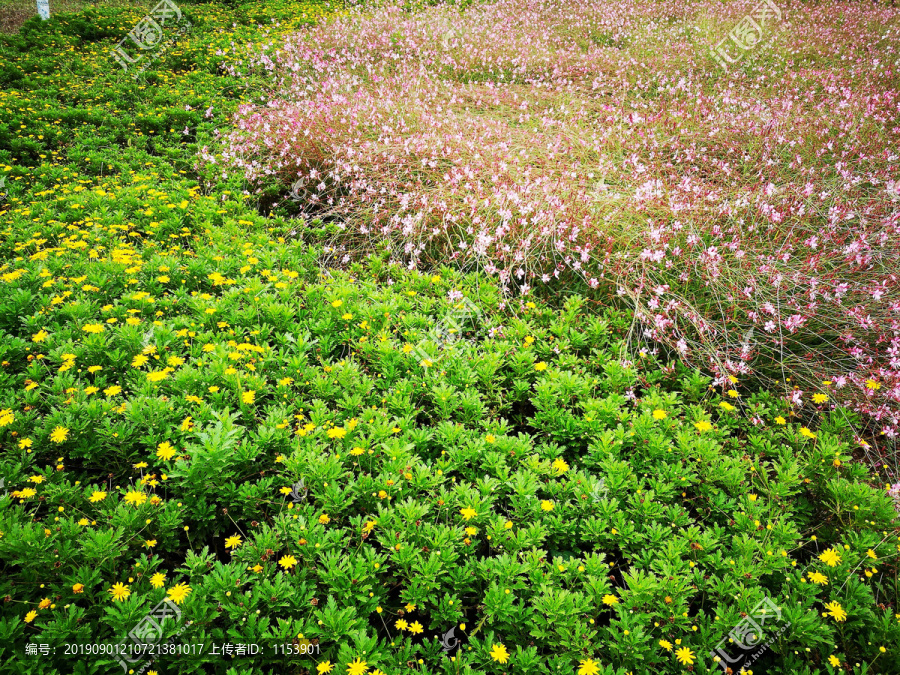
<point x="748" y="216"/>
<point x="212" y="403"/>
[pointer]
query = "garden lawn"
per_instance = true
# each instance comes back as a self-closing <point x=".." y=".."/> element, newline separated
<point x="200" y="408"/>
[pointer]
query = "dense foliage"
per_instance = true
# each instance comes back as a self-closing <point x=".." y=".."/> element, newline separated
<point x="749" y="215"/>
<point x="198" y="403"/>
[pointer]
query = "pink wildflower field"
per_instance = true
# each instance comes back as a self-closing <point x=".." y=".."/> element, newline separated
<point x="748" y="215"/>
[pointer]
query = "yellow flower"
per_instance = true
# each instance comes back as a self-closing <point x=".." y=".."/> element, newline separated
<point x="834" y="661"/>
<point x="560" y="465"/>
<point x="358" y="667"/>
<point x="780" y="420"/>
<point x="400" y="624"/>
<point x="665" y="644"/>
<point x="178" y="593"/>
<point x="40" y="336"/>
<point x="546" y="505"/>
<point x="490" y="438"/>
<point x="804" y="431"/>
<point x="158" y="580"/>
<point x="324" y="667"/>
<point x="119" y="592"/>
<point x="499" y="653"/>
<point x="44" y="604"/>
<point x="165" y="451"/>
<point x="93" y="328"/>
<point x="733" y="393"/>
<point x="539" y="366"/>
<point x="835" y="610"/>
<point x="415" y="628"/>
<point x="468" y="513"/>
<point x="287" y="562"/>
<point x="830" y="558"/>
<point x="588" y="667"/>
<point x="726" y="406"/>
<point x="248" y="397"/>
<point x="685" y="656"/>
<point x="659" y="414"/>
<point x="324" y="519"/>
<point x="337" y="432"/>
<point x="59" y="434"/>
<point x="873" y="385"/>
<point x="233" y="541"/>
<point x="818" y="578"/>
<point x="150" y="543"/>
<point x="702" y="426"/>
<point x="820" y="398"/>
<point x="31" y="616"/>
<point x="610" y="600"/>
<point x="135" y="497"/>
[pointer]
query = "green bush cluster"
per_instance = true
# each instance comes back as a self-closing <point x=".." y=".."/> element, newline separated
<point x="193" y="406"/>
